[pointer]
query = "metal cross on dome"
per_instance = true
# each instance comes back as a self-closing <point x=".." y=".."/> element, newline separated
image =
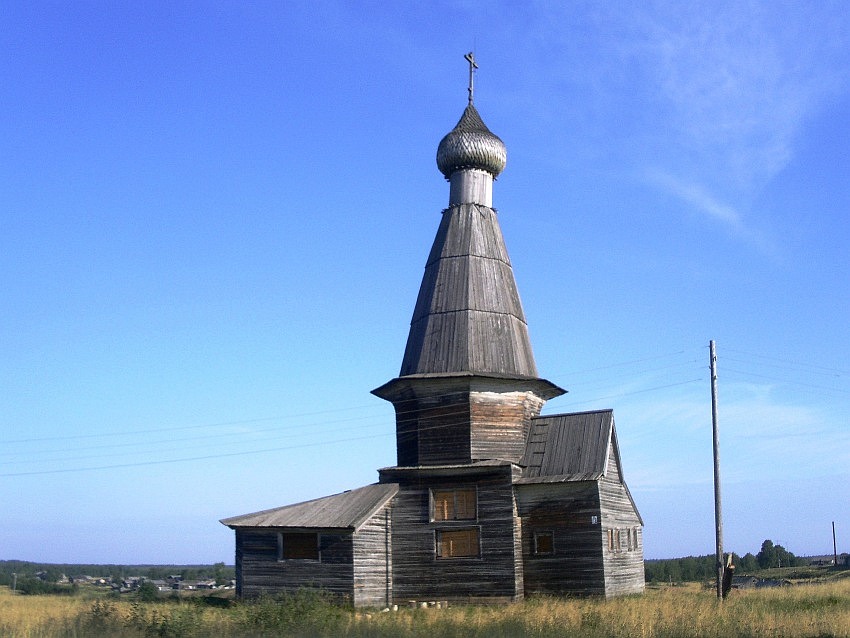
<point x="470" y="57"/>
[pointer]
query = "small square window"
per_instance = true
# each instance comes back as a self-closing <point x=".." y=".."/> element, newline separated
<point x="297" y="545"/>
<point x="544" y="543"/>
<point x="457" y="543"/>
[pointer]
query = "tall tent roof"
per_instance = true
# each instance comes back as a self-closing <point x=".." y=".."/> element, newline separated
<point x="468" y="316"/>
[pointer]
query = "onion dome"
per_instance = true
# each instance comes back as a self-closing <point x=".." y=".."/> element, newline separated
<point x="470" y="144"/>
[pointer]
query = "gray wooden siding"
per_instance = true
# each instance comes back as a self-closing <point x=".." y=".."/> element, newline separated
<point x="433" y="430"/>
<point x="418" y="574"/>
<point x="624" y="573"/>
<point x="566" y="510"/>
<point x="461" y="420"/>
<point x="373" y="561"/>
<point x="568" y="446"/>
<point x="464" y="426"/>
<point x="260" y="572"/>
<point x="345" y="510"/>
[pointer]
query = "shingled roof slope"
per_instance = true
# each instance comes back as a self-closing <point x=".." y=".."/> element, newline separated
<point x="568" y="447"/>
<point x="468" y="317"/>
<point x="347" y="510"/>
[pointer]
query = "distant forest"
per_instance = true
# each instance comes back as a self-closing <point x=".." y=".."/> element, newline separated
<point x="699" y="568"/>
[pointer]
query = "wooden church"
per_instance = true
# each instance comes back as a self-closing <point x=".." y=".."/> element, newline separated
<point x="488" y="501"/>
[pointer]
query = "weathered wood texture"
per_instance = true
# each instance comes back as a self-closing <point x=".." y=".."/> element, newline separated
<point x="433" y="429"/>
<point x="259" y="571"/>
<point x="418" y="574"/>
<point x="568" y="446"/>
<point x="468" y="316"/>
<point x="373" y="583"/>
<point x="623" y="563"/>
<point x="348" y="509"/>
<point x="567" y="511"/>
<point x="354" y="565"/>
<point x="461" y="419"/>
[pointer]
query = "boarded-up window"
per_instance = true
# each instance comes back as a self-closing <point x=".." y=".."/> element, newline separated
<point x="298" y="545"/>
<point x="544" y="543"/>
<point x="457" y="543"/>
<point x="454" y="505"/>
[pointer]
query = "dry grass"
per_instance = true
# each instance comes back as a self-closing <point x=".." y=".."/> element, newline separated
<point x="816" y="611"/>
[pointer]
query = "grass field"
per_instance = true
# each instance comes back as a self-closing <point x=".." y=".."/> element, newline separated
<point x="813" y="610"/>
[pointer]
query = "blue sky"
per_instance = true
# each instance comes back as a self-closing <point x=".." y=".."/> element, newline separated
<point x="214" y="219"/>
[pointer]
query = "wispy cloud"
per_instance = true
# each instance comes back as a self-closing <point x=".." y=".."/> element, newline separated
<point x="762" y="437"/>
<point x="698" y="199"/>
<point x="741" y="78"/>
<point x="717" y="94"/>
<point x="738" y="82"/>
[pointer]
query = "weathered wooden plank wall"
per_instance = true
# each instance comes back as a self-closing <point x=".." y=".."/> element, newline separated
<point x="373" y="560"/>
<point x="454" y="421"/>
<point x="417" y="572"/>
<point x="500" y="421"/>
<point x="624" y="573"/>
<point x="433" y="430"/>
<point x="260" y="571"/>
<point x="567" y="510"/>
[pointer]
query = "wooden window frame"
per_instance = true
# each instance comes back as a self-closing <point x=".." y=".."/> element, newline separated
<point x="460" y="505"/>
<point x="536" y="540"/>
<point x="439" y="543"/>
<point x="282" y="548"/>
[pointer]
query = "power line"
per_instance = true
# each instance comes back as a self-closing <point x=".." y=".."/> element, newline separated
<point x="186" y="459"/>
<point x="69" y="437"/>
<point x="787" y="361"/>
<point x="805" y="385"/>
<point x="462" y="414"/>
<point x="626" y="394"/>
<point x="836" y="374"/>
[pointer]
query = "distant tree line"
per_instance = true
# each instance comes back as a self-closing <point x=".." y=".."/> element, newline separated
<point x="699" y="568"/>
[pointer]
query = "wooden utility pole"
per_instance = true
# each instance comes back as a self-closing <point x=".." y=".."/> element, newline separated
<point x="718" y="517"/>
<point x="834" y="547"/>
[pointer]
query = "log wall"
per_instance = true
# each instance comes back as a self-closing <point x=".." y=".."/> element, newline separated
<point x="417" y="572"/>
<point x="499" y="423"/>
<point x="567" y="511"/>
<point x="260" y="572"/>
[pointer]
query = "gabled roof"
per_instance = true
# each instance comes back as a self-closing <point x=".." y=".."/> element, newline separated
<point x="348" y="510"/>
<point x="569" y="447"/>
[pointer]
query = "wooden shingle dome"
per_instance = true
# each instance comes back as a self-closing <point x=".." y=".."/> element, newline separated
<point x="470" y="144"/>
